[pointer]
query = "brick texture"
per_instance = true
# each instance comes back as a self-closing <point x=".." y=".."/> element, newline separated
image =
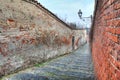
<point x="106" y="40"/>
<point x="30" y="34"/>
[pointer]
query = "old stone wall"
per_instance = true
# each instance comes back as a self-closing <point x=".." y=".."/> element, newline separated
<point x="80" y="37"/>
<point x="29" y="34"/>
<point x="106" y="40"/>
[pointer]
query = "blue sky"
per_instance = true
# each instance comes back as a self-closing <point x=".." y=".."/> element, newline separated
<point x="68" y="9"/>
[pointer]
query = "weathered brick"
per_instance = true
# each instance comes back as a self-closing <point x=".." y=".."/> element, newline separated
<point x="118" y="75"/>
<point x="29" y="29"/>
<point x="112" y="37"/>
<point x="117" y="6"/>
<point x="111" y="30"/>
<point x="117" y="31"/>
<point x="106" y="46"/>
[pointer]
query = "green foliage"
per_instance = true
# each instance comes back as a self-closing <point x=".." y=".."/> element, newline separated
<point x="39" y="64"/>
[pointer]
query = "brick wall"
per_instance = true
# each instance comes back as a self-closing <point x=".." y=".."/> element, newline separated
<point x="106" y="39"/>
<point x="31" y="34"/>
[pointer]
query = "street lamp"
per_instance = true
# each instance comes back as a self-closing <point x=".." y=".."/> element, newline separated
<point x="80" y="14"/>
<point x="83" y="18"/>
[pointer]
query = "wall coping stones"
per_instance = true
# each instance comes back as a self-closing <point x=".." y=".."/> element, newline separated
<point x="37" y="4"/>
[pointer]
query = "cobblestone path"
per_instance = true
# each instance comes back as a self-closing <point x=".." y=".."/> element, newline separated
<point x="74" y="66"/>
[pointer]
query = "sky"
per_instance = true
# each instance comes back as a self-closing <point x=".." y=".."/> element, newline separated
<point x="68" y="9"/>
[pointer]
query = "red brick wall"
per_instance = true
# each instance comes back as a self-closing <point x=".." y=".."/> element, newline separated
<point x="106" y="40"/>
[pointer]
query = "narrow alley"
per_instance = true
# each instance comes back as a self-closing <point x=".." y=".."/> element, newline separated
<point x="73" y="66"/>
<point x="37" y="43"/>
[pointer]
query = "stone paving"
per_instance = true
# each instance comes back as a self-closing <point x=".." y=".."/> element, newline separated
<point x="74" y="66"/>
